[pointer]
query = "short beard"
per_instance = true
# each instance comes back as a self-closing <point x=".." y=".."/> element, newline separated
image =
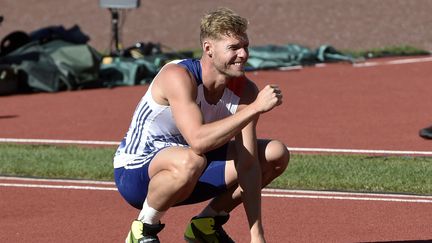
<point x="225" y="71"/>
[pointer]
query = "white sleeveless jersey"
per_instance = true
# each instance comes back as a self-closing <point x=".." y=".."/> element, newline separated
<point x="153" y="127"/>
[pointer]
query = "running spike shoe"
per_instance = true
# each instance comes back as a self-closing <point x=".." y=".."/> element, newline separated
<point x="143" y="233"/>
<point x="207" y="230"/>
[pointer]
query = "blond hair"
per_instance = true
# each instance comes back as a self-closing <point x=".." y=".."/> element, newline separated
<point x="222" y="21"/>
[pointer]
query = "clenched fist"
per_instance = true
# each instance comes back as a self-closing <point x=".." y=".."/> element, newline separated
<point x="268" y="98"/>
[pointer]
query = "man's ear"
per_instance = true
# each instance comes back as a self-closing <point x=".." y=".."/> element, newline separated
<point x="208" y="48"/>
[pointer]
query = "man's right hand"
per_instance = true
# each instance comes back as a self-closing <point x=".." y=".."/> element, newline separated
<point x="268" y="98"/>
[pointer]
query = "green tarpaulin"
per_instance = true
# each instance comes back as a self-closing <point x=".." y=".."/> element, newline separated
<point x="277" y="56"/>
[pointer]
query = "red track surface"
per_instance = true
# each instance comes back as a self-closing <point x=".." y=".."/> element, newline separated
<point x="337" y="106"/>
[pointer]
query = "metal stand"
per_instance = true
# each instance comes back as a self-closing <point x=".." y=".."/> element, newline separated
<point x="114" y="25"/>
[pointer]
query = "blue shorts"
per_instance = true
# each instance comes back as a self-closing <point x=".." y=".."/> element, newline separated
<point x="133" y="183"/>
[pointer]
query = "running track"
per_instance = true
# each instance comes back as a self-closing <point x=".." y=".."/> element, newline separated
<point x="380" y="105"/>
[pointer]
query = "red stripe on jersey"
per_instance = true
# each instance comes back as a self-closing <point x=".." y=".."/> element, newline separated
<point x="237" y="85"/>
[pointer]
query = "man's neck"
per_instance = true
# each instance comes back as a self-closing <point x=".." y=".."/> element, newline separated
<point x="214" y="82"/>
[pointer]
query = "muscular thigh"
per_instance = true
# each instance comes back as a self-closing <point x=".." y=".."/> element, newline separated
<point x="172" y="158"/>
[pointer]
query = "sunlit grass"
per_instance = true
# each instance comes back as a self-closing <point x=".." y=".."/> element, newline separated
<point x="313" y="172"/>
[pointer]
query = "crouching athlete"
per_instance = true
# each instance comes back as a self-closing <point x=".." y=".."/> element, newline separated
<point x="193" y="138"/>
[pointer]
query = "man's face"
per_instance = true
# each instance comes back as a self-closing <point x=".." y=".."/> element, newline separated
<point x="229" y="54"/>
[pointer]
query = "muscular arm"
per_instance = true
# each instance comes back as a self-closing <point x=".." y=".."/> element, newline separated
<point x="179" y="88"/>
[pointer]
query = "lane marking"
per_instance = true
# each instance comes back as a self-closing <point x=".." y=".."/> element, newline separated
<point x="293" y="149"/>
<point x="360" y="151"/>
<point x="389" y="195"/>
<point x="77" y="181"/>
<point x="56" y="141"/>
<point x="351" y="198"/>
<point x="90" y="188"/>
<point x="290" y="68"/>
<point x="410" y="60"/>
<point x="366" y="64"/>
<point x="394" y="62"/>
<point x="267" y="192"/>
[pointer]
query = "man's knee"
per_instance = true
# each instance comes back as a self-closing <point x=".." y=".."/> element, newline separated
<point x="189" y="167"/>
<point x="278" y="155"/>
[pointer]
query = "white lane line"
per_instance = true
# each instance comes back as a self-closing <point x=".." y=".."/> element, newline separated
<point x="351" y="198"/>
<point x="266" y="190"/>
<point x="394" y="62"/>
<point x="10" y="178"/>
<point x="63" y="187"/>
<point x="410" y="60"/>
<point x="290" y="68"/>
<point x="293" y="149"/>
<point x="276" y="193"/>
<point x="366" y="64"/>
<point x="360" y="194"/>
<point x="360" y="151"/>
<point x="56" y="141"/>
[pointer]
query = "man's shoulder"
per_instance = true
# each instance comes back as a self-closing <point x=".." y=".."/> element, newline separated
<point x="173" y="78"/>
<point x="173" y="70"/>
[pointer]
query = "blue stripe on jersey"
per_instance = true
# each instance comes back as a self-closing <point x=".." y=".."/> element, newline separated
<point x="140" y="161"/>
<point x="168" y="139"/>
<point x="138" y="125"/>
<point x="140" y="131"/>
<point x="194" y="66"/>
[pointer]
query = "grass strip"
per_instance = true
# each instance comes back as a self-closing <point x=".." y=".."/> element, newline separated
<point x="49" y="161"/>
<point x="360" y="173"/>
